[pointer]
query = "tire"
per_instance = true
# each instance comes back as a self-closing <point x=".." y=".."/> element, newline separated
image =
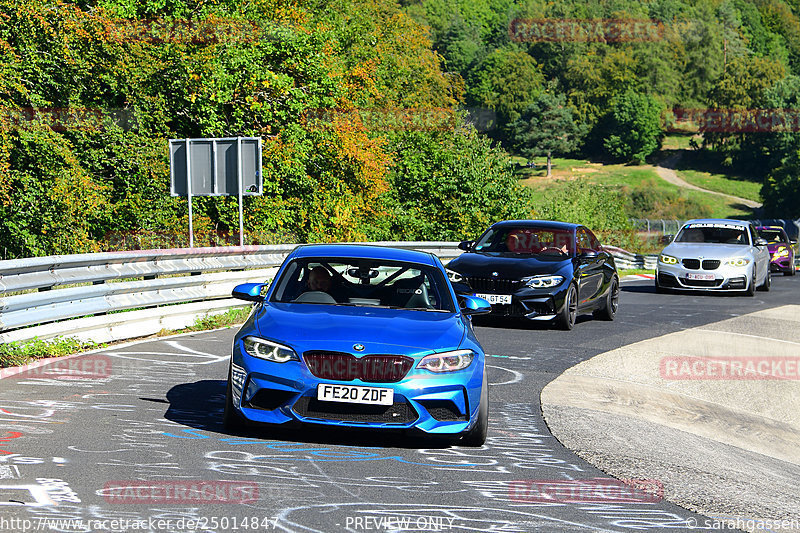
<point x="609" y="310"/>
<point x="751" y="285"/>
<point x="566" y="318"/>
<point x="767" y="283"/>
<point x="476" y="437"/>
<point x="789" y="272"/>
<point x="231" y="418"/>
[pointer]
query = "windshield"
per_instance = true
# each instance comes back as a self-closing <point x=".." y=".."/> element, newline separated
<point x="715" y="233"/>
<point x="526" y="241"/>
<point x="364" y="283"/>
<point x="773" y="236"/>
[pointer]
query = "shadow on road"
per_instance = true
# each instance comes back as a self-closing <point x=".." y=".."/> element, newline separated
<point x="522" y="323"/>
<point x="651" y="289"/>
<point x="199" y="405"/>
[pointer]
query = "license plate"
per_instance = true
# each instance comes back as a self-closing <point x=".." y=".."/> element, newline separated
<point x="703" y="277"/>
<point x="504" y="299"/>
<point x="354" y="394"/>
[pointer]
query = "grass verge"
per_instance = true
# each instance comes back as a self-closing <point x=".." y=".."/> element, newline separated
<point x="749" y="190"/>
<point x="635" y="271"/>
<point x="21" y="353"/>
<point x="651" y="196"/>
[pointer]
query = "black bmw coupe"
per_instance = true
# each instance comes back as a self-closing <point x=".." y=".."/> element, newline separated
<point x="539" y="270"/>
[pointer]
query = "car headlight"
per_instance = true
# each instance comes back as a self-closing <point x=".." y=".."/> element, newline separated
<point x="667" y="259"/>
<point x="542" y="282"/>
<point x="738" y="262"/>
<point x="447" y="361"/>
<point x="454" y="276"/>
<point x="271" y="351"/>
<point x="782" y="251"/>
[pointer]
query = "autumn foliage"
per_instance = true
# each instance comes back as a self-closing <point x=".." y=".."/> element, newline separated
<point x="90" y="92"/>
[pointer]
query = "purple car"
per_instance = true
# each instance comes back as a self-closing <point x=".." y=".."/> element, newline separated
<point x="781" y="249"/>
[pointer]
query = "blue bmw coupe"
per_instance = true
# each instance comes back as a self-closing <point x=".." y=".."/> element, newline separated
<point x="360" y="336"/>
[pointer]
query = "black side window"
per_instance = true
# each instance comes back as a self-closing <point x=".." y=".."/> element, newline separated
<point x="753" y="235"/>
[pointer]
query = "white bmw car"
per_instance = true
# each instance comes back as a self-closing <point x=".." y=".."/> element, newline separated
<point x="715" y="255"/>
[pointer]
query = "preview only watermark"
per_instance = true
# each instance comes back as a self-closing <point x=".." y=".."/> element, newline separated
<point x="730" y="368"/>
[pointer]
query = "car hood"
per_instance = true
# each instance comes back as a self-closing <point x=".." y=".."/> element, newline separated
<point x="483" y="265"/>
<point x="318" y="327"/>
<point x="693" y="250"/>
<point x="774" y="247"/>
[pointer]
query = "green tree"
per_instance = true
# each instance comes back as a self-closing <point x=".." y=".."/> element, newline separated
<point x="547" y="127"/>
<point x="781" y="190"/>
<point x="599" y="208"/>
<point x="449" y="185"/>
<point x="507" y="81"/>
<point x="634" y="129"/>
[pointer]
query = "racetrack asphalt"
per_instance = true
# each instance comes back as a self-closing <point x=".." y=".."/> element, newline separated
<point x="81" y="447"/>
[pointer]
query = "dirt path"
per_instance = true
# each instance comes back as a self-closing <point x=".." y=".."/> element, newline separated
<point x="666" y="171"/>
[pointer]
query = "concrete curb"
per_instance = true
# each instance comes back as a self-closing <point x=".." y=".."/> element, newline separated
<point x="726" y="445"/>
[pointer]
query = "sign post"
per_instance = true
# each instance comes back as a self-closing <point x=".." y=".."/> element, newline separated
<point x="216" y="167"/>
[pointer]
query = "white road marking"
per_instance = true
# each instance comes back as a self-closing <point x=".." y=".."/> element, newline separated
<point x="517" y="376"/>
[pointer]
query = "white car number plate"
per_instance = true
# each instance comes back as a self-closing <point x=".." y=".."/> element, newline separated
<point x="503" y="299"/>
<point x="354" y="394"/>
<point x="704" y="277"/>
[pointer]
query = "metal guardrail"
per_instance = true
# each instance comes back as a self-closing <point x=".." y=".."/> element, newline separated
<point x="45" y="296"/>
<point x="93" y="285"/>
<point x="627" y="260"/>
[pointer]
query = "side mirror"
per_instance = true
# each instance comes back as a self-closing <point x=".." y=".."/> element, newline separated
<point x="472" y="305"/>
<point x="466" y="245"/>
<point x="666" y="239"/>
<point x="589" y="254"/>
<point x="461" y="288"/>
<point x="249" y="291"/>
<point x="793" y="242"/>
<point x="761" y="242"/>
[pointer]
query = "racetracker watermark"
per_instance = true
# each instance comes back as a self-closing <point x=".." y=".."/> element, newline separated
<point x="180" y="492"/>
<point x="387" y="119"/>
<point x="585" y="30"/>
<point x="211" y="30"/>
<point x="148" y="524"/>
<point x="92" y="366"/>
<point x="65" y="118"/>
<point x="401" y="119"/>
<point x="593" y="490"/>
<point x="733" y="368"/>
<point x="732" y="120"/>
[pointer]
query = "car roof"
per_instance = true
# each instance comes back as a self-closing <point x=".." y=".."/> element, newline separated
<point x="743" y="223"/>
<point x="362" y="251"/>
<point x="549" y="224"/>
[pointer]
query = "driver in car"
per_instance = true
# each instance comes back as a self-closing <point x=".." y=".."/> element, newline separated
<point x="319" y="279"/>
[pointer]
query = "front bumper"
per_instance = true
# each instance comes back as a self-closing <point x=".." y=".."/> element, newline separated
<point x="533" y="304"/>
<point x="782" y="264"/>
<point x="281" y="393"/>
<point x="726" y="278"/>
